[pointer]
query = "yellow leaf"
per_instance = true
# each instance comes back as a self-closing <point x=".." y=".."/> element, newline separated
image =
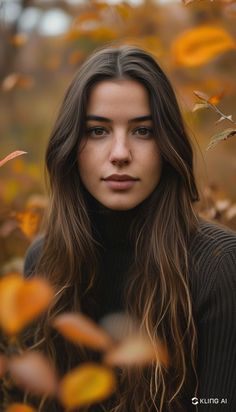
<point x="29" y="221"/>
<point x="20" y="407"/>
<point x="21" y="301"/>
<point x="33" y="372"/>
<point x="198" y="46"/>
<point x="11" y="156"/>
<point x="89" y="383"/>
<point x="82" y="330"/>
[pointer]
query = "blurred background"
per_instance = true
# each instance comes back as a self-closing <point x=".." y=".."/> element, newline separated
<point x="43" y="42"/>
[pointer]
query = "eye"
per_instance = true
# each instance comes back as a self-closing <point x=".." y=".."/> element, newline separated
<point x="144" y="131"/>
<point x="97" y="131"/>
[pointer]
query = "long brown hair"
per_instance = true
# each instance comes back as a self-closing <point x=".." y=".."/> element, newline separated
<point x="159" y="287"/>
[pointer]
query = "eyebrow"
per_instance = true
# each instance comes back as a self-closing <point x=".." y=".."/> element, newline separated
<point x="105" y="119"/>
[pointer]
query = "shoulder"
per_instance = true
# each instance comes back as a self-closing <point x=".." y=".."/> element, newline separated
<point x="32" y="256"/>
<point x="212" y="260"/>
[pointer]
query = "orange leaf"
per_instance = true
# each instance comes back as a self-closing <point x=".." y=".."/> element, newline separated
<point x="11" y="156"/>
<point x="19" y="39"/>
<point x="137" y="350"/>
<point x="19" y="407"/>
<point x="198" y="46"/>
<point x="16" y="80"/>
<point x="33" y="372"/>
<point x="21" y="301"/>
<point x="29" y="222"/>
<point x="87" y="384"/>
<point x="82" y="330"/>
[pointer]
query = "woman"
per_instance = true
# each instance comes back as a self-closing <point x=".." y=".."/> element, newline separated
<point x="122" y="235"/>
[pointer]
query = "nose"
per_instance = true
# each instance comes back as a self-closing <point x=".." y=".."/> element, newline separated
<point x="120" y="152"/>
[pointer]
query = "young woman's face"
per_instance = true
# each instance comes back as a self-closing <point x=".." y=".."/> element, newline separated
<point x="119" y="159"/>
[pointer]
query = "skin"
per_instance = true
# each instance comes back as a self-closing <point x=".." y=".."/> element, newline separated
<point x="119" y="145"/>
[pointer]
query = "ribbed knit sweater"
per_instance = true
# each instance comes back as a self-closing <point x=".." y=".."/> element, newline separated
<point x="212" y="279"/>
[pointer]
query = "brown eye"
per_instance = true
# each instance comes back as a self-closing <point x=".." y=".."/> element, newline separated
<point x="144" y="131"/>
<point x="96" y="132"/>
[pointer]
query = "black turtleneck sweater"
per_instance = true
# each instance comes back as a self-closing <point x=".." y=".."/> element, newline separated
<point x="212" y="279"/>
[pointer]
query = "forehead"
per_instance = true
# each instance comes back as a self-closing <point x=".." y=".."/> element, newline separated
<point x="119" y="98"/>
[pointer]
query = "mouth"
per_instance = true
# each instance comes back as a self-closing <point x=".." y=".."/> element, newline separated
<point x="120" y="182"/>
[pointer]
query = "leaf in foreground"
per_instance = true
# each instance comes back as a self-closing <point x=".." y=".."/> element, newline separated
<point x="221" y="136"/>
<point x="19" y="407"/>
<point x="33" y="372"/>
<point x="11" y="156"/>
<point x="89" y="383"/>
<point x="80" y="329"/>
<point x="21" y="301"/>
<point x="139" y="351"/>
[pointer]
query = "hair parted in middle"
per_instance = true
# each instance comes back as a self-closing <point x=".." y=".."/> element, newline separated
<point x="158" y="295"/>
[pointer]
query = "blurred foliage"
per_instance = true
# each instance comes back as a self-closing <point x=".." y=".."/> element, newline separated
<point x="195" y="44"/>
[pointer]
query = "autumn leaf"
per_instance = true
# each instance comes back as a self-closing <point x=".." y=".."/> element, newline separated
<point x="19" y="407"/>
<point x="19" y="39"/>
<point x="29" y="221"/>
<point x="80" y="329"/>
<point x="89" y="383"/>
<point x="200" y="106"/>
<point x="11" y="156"/>
<point x="137" y="350"/>
<point x="17" y="80"/>
<point x="200" y="45"/>
<point x="21" y="301"/>
<point x="221" y="136"/>
<point x="33" y="372"/>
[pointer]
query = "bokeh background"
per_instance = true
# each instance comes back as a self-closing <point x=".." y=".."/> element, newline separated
<point x="43" y="42"/>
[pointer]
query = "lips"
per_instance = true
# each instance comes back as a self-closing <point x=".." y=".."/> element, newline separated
<point x="120" y="178"/>
<point x="117" y="182"/>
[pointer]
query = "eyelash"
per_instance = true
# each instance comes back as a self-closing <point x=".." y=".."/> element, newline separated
<point x="90" y="130"/>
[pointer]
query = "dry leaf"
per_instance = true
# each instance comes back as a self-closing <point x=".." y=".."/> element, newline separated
<point x="16" y="80"/>
<point x="198" y="46"/>
<point x="137" y="350"/>
<point x="19" y="407"/>
<point x="221" y="136"/>
<point x="21" y="301"/>
<point x="87" y="384"/>
<point x="29" y="222"/>
<point x="11" y="156"/>
<point x="33" y="372"/>
<point x="82" y="330"/>
<point x="19" y="39"/>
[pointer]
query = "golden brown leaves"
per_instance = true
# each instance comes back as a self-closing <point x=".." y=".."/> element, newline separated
<point x="11" y="156"/>
<point x="29" y="221"/>
<point x="21" y="301"/>
<point x="86" y="384"/>
<point x="20" y="407"/>
<point x="82" y="330"/>
<point x="198" y="46"/>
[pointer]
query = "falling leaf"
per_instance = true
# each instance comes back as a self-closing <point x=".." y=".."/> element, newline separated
<point x="29" y="221"/>
<point x="216" y="98"/>
<point x="3" y="365"/>
<point x="19" y="407"/>
<point x="82" y="330"/>
<point x="221" y="136"/>
<point x="19" y="39"/>
<point x="16" y="80"/>
<point x="21" y="301"/>
<point x="200" y="45"/>
<point x="137" y="350"/>
<point x="230" y="118"/>
<point x="89" y="383"/>
<point x="33" y="372"/>
<point x="203" y="96"/>
<point x="11" y="156"/>
<point x="200" y="106"/>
